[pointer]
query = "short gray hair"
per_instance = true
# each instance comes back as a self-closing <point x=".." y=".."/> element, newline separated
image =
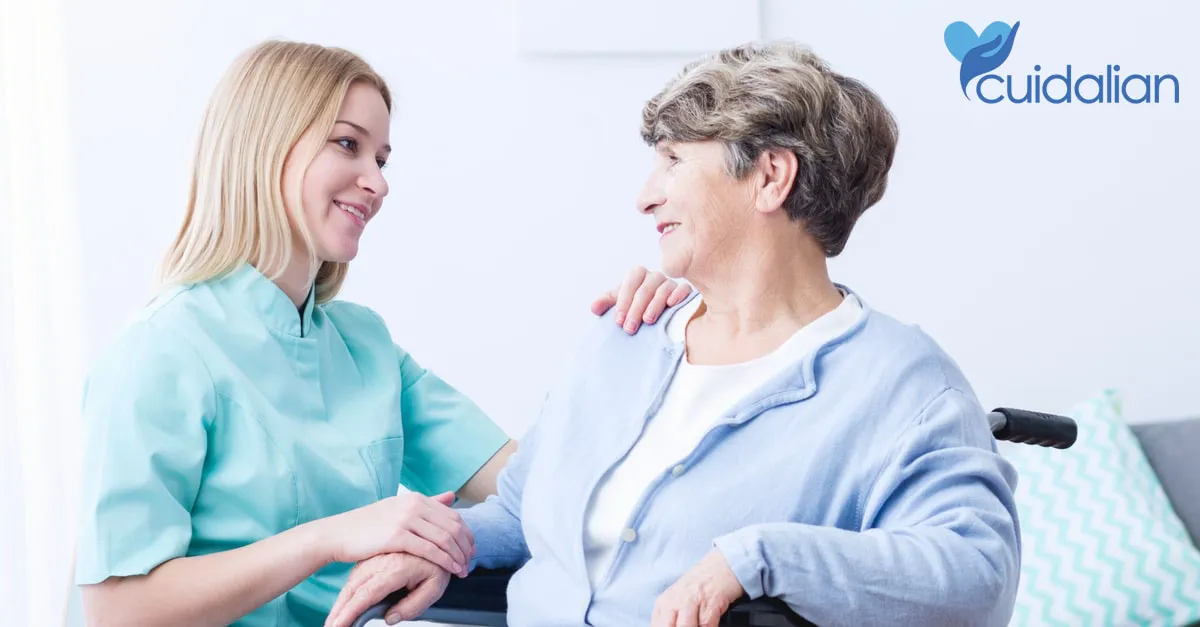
<point x="782" y="96"/>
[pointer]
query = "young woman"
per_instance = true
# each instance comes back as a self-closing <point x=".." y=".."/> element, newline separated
<point x="248" y="432"/>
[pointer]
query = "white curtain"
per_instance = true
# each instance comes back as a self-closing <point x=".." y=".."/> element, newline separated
<point x="42" y="348"/>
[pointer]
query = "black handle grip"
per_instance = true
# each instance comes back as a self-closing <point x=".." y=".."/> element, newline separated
<point x="376" y="612"/>
<point x="1031" y="427"/>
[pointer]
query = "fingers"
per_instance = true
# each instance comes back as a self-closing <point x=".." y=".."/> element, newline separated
<point x="353" y="582"/>
<point x="604" y="302"/>
<point x="681" y="291"/>
<point x="709" y="615"/>
<point x="451" y="524"/>
<point x="684" y="608"/>
<point x="663" y="616"/>
<point x="418" y="599"/>
<point x="686" y="616"/>
<point x="425" y="549"/>
<point x="428" y="519"/>
<point x="360" y="598"/>
<point x="688" y="613"/>
<point x="658" y="303"/>
<point x="453" y="521"/>
<point x="626" y="292"/>
<point x="641" y="299"/>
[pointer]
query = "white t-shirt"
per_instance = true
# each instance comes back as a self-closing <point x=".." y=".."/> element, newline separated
<point x="696" y="399"/>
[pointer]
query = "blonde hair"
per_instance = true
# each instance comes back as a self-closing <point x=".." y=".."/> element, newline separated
<point x="267" y="99"/>
<point x="782" y="96"/>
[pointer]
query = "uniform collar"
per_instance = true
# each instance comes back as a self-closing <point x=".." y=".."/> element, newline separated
<point x="264" y="297"/>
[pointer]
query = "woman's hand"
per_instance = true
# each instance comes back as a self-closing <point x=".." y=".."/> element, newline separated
<point x="700" y="597"/>
<point x="641" y="298"/>
<point x="373" y="580"/>
<point x="410" y="523"/>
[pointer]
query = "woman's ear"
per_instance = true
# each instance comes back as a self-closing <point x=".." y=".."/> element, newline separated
<point x="776" y="174"/>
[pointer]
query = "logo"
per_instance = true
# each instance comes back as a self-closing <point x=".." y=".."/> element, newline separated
<point x="981" y="54"/>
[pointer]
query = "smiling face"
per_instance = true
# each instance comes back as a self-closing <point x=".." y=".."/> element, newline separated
<point x="702" y="213"/>
<point x="343" y="187"/>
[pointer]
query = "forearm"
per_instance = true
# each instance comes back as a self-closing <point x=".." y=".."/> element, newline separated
<point x="483" y="483"/>
<point x="496" y="521"/>
<point x="214" y="589"/>
<point x="499" y="538"/>
<point x="923" y="576"/>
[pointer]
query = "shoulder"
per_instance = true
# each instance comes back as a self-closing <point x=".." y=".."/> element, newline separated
<point x="905" y="352"/>
<point x="901" y="369"/>
<point x="910" y="394"/>
<point x="161" y="333"/>
<point x="150" y="368"/>
<point x="352" y="313"/>
<point x="602" y="344"/>
<point x="602" y="351"/>
<point x="357" y="323"/>
<point x="348" y="316"/>
<point x="603" y="332"/>
<point x="362" y="328"/>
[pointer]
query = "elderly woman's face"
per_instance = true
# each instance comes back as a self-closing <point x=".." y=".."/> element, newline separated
<point x="700" y="211"/>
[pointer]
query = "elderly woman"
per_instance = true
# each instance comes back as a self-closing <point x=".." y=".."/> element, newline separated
<point x="774" y="435"/>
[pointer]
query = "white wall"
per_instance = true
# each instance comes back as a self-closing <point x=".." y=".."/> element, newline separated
<point x="1050" y="249"/>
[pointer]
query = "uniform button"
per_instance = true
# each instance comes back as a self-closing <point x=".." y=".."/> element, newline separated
<point x="678" y="470"/>
<point x="629" y="535"/>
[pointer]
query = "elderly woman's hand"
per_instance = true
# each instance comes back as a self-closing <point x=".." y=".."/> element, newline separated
<point x="374" y="579"/>
<point x="641" y="298"/>
<point x="700" y="597"/>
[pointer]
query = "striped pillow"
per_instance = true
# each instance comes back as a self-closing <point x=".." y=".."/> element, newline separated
<point x="1101" y="544"/>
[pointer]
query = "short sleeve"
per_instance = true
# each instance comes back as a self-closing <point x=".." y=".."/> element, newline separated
<point x="147" y="403"/>
<point x="447" y="438"/>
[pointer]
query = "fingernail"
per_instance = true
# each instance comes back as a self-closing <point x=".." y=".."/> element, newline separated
<point x="392" y="619"/>
<point x="650" y="319"/>
<point x="620" y="317"/>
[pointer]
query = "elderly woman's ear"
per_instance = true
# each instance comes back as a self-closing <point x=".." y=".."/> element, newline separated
<point x="774" y="177"/>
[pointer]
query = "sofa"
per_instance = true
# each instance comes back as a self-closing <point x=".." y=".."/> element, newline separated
<point x="1173" y="450"/>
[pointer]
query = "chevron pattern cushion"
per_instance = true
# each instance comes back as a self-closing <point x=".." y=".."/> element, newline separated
<point x="1101" y="544"/>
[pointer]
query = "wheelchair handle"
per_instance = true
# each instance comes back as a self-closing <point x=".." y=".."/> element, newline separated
<point x="1031" y="427"/>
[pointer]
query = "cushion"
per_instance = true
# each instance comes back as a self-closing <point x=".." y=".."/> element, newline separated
<point x="1171" y="447"/>
<point x="1101" y="543"/>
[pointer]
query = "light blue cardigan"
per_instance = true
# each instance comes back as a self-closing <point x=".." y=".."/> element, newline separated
<point x="862" y="486"/>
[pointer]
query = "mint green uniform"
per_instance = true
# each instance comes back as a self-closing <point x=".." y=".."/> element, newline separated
<point x="223" y="415"/>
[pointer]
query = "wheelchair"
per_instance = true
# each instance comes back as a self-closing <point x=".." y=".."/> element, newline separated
<point x="481" y="597"/>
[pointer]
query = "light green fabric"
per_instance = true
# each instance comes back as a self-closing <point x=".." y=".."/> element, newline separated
<point x="222" y="416"/>
<point x="1101" y="543"/>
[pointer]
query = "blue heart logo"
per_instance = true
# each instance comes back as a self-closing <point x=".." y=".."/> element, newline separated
<point x="961" y="38"/>
<point x="982" y="53"/>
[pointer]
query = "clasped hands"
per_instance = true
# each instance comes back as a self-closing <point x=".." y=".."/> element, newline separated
<point x="698" y="599"/>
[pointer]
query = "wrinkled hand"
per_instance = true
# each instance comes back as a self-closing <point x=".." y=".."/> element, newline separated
<point x="701" y="596"/>
<point x="373" y="580"/>
<point x="642" y="297"/>
<point x="411" y="523"/>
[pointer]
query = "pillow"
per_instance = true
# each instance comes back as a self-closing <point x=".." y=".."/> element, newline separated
<point x="1101" y="544"/>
